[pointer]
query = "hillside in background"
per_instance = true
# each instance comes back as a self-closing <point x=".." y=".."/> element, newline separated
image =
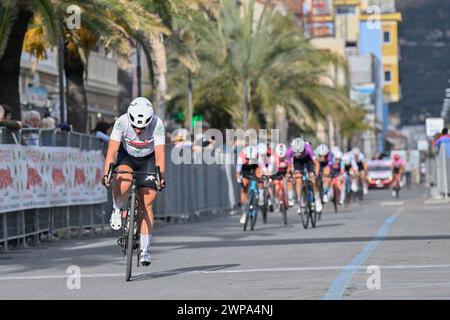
<point x="425" y="58"/>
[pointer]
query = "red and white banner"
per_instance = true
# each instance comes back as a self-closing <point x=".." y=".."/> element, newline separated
<point x="38" y="177"/>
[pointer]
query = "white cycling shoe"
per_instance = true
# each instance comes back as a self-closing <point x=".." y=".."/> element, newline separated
<point x="242" y="220"/>
<point x="116" y="219"/>
<point x="325" y="198"/>
<point x="146" y="259"/>
<point x="319" y="206"/>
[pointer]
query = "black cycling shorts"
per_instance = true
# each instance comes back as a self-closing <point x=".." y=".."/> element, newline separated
<point x="249" y="170"/>
<point x="279" y="175"/>
<point x="142" y="164"/>
<point x="300" y="165"/>
<point x="360" y="166"/>
<point x="396" y="170"/>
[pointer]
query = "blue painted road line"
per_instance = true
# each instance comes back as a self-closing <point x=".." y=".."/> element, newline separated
<point x="337" y="289"/>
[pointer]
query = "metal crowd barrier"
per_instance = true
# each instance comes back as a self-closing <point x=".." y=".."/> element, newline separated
<point x="443" y="171"/>
<point x="192" y="190"/>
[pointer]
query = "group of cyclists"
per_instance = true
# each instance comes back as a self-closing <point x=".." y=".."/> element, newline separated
<point x="137" y="144"/>
<point x="323" y="165"/>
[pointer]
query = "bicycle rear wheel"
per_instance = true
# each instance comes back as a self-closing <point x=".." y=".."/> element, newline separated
<point x="264" y="207"/>
<point x="248" y="208"/>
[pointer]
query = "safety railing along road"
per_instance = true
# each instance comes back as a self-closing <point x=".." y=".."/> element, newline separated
<point x="192" y="190"/>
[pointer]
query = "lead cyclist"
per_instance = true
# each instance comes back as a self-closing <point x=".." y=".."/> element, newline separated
<point x="138" y="140"/>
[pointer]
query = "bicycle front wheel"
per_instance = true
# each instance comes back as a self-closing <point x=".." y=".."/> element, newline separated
<point x="303" y="204"/>
<point x="130" y="241"/>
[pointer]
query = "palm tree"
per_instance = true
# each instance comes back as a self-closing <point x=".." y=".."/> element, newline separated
<point x="249" y="65"/>
<point x="112" y="23"/>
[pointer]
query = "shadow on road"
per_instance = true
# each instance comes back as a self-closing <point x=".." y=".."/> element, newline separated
<point x="162" y="274"/>
<point x="279" y="242"/>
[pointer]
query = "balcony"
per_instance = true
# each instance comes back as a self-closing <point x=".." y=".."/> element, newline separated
<point x="387" y="6"/>
<point x="102" y="73"/>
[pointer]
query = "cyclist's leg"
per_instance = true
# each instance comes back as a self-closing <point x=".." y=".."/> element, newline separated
<point x="364" y="181"/>
<point x="290" y="190"/>
<point x="276" y="184"/>
<point x="326" y="180"/>
<point x="258" y="174"/>
<point x="120" y="191"/>
<point x="146" y="219"/>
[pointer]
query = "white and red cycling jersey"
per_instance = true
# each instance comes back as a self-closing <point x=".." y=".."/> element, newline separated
<point x="282" y="165"/>
<point x="266" y="164"/>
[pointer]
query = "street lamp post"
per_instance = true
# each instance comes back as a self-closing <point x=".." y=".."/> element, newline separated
<point x="62" y="100"/>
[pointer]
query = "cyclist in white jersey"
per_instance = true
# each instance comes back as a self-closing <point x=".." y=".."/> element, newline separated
<point x="138" y="140"/>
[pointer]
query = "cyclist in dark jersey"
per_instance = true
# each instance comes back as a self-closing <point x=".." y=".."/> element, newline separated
<point x="303" y="157"/>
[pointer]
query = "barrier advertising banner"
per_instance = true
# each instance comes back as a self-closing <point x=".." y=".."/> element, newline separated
<point x="38" y="177"/>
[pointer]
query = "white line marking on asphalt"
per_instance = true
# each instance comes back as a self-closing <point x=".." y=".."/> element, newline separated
<point x="439" y="201"/>
<point x="392" y="203"/>
<point x="293" y="269"/>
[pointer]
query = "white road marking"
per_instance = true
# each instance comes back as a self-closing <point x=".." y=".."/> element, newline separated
<point x="156" y="273"/>
<point x="392" y="203"/>
<point x="437" y="201"/>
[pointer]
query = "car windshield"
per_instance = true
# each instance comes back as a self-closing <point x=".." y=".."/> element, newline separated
<point x="379" y="168"/>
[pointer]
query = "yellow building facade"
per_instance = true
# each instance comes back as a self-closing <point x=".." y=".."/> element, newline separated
<point x="341" y="19"/>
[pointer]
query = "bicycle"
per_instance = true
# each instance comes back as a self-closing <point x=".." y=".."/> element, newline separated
<point x="129" y="239"/>
<point x="251" y="205"/>
<point x="306" y="202"/>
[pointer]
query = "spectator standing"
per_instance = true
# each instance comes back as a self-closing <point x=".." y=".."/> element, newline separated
<point x="6" y="118"/>
<point x="31" y="120"/>
<point x="101" y="131"/>
<point x="443" y="139"/>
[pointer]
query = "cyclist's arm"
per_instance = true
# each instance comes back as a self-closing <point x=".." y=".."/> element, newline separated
<point x="160" y="140"/>
<point x="113" y="148"/>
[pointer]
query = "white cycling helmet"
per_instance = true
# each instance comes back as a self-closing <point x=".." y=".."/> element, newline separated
<point x="335" y="149"/>
<point x="298" y="145"/>
<point x="262" y="149"/>
<point x="338" y="154"/>
<point x="346" y="159"/>
<point x="251" y="153"/>
<point x="356" y="151"/>
<point x="281" y="150"/>
<point x="140" y="112"/>
<point x="322" y="150"/>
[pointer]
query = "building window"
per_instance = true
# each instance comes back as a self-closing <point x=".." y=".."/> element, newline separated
<point x="345" y="9"/>
<point x="386" y="36"/>
<point x="387" y="76"/>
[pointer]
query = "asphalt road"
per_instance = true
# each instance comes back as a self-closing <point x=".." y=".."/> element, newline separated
<point x="379" y="249"/>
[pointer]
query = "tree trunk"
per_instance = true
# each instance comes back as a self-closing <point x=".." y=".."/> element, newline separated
<point x="159" y="51"/>
<point x="10" y="63"/>
<point x="76" y="94"/>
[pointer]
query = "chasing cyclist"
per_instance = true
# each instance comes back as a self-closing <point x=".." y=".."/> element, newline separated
<point x="303" y="157"/>
<point x="247" y="167"/>
<point x="282" y="165"/>
<point x="363" y="166"/>
<point x="325" y="159"/>
<point x="398" y="168"/>
<point x="138" y="140"/>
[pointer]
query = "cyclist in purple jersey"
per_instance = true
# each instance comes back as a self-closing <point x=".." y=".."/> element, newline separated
<point x="303" y="157"/>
